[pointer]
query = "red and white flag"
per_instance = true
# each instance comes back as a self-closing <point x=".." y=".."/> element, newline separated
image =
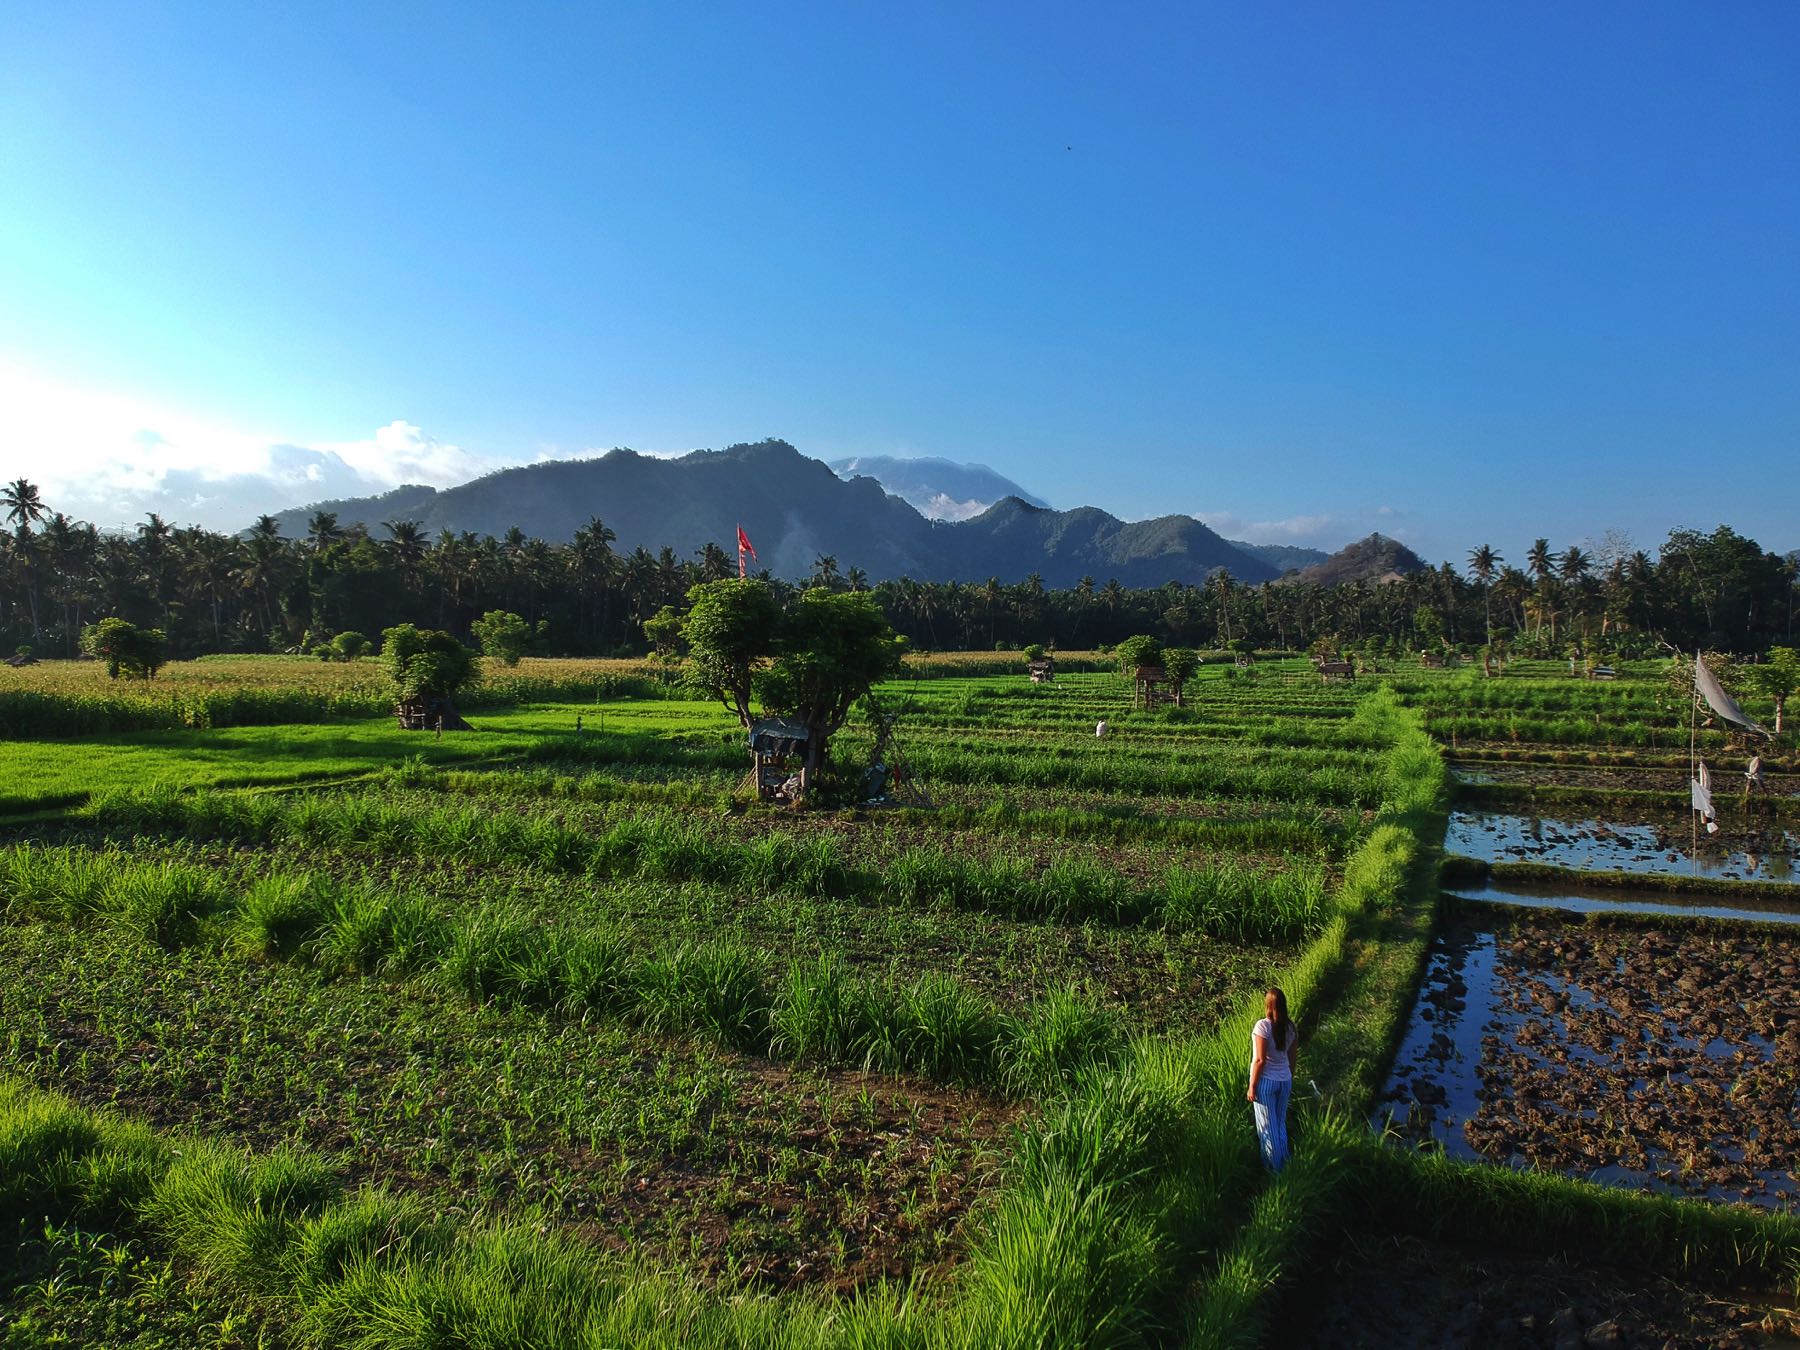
<point x="744" y="544"/>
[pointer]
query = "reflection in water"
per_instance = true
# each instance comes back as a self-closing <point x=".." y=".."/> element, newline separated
<point x="1621" y="900"/>
<point x="1595" y="845"/>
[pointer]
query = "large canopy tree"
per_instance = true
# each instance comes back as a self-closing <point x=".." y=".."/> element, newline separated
<point x="811" y="662"/>
<point x="833" y="647"/>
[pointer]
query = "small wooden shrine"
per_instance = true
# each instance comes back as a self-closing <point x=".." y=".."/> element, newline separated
<point x="430" y="713"/>
<point x="1041" y="672"/>
<point x="1151" y="687"/>
<point x="778" y="758"/>
<point x="1333" y="672"/>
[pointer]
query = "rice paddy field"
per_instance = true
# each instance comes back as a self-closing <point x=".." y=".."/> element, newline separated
<point x="316" y="1032"/>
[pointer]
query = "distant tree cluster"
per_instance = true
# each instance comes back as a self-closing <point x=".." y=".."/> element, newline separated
<point x="256" y="592"/>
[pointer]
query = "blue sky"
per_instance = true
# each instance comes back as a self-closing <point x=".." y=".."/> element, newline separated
<point x="1465" y="274"/>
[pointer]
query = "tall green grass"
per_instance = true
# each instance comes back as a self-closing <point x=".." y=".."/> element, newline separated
<point x="721" y="989"/>
<point x="1227" y="898"/>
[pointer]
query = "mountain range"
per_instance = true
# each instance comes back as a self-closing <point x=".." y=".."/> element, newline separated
<point x="795" y="509"/>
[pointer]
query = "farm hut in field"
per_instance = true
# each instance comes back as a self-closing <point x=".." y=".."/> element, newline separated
<point x="429" y="713"/>
<point x="1335" y="672"/>
<point x="1041" y="672"/>
<point x="778" y="757"/>
<point x="1151" y="687"/>
<point x="1431" y="660"/>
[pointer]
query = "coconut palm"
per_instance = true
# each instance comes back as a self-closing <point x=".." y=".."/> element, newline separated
<point x="24" y="506"/>
<point x="323" y="530"/>
<point x="1483" y="563"/>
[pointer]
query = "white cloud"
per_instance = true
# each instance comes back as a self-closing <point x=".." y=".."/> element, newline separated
<point x="109" y="458"/>
<point x="942" y="506"/>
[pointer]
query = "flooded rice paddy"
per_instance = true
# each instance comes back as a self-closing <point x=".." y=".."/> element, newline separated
<point x="1572" y="898"/>
<point x="1617" y="777"/>
<point x="1656" y="1059"/>
<point x="1741" y="852"/>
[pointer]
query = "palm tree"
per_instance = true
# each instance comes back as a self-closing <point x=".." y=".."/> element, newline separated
<point x="323" y="530"/>
<point x="24" y="506"/>
<point x="714" y="565"/>
<point x="1542" y="568"/>
<point x="153" y="538"/>
<point x="595" y="567"/>
<point x="991" y="595"/>
<point x="1483" y="563"/>
<point x="825" y="572"/>
<point x="211" y="562"/>
<point x="1574" y="565"/>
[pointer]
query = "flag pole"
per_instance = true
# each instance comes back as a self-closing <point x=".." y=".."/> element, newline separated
<point x="1693" y="733"/>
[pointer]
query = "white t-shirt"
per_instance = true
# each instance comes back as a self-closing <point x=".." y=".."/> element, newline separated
<point x="1275" y="1058"/>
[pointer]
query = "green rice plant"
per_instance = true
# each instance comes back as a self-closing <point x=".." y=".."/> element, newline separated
<point x="765" y="865"/>
<point x="278" y="914"/>
<point x="1004" y="884"/>
<point x="920" y="877"/>
<point x="616" y="852"/>
<point x="158" y="808"/>
<point x="549" y="843"/>
<point x="44" y="1142"/>
<point x="592" y="971"/>
<point x="670" y="851"/>
<point x="38" y="881"/>
<point x="233" y="1215"/>
<point x="1064" y="1266"/>
<point x="1301" y="1204"/>
<point x="367" y="931"/>
<point x="1076" y="1254"/>
<point x="501" y="953"/>
<point x="819" y="868"/>
<point x="455" y="835"/>
<point x="947" y="1030"/>
<point x="368" y="1227"/>
<point x="1062" y="1037"/>
<point x="1435" y="1197"/>
<point x="1218" y="899"/>
<point x="822" y="1012"/>
<point x="1079" y="887"/>
<point x="161" y="902"/>
<point x="715" y="987"/>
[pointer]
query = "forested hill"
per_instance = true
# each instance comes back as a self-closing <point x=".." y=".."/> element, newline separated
<point x="1376" y="558"/>
<point x="795" y="509"/>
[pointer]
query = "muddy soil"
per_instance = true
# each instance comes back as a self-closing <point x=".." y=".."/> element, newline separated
<point x="1616" y="778"/>
<point x="1657" y="1059"/>
<point x="1401" y="1293"/>
<point x="1745" y="848"/>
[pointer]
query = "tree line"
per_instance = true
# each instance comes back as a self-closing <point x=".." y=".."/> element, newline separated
<point x="259" y="591"/>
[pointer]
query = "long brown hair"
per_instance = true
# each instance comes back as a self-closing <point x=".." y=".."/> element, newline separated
<point x="1275" y="1008"/>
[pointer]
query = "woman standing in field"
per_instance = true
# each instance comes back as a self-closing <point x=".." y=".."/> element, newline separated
<point x="1274" y="1043"/>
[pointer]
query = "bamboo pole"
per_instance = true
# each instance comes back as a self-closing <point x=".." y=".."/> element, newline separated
<point x="1693" y="774"/>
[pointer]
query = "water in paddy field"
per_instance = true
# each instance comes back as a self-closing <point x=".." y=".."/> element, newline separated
<point x="1597" y="845"/>
<point x="1573" y="899"/>
<point x="1434" y="1085"/>
<point x="1478" y="1006"/>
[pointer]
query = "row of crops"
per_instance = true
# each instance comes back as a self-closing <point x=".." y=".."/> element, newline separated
<point x="566" y="1046"/>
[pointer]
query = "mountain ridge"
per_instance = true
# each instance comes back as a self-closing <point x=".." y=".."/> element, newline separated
<point x="795" y="508"/>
